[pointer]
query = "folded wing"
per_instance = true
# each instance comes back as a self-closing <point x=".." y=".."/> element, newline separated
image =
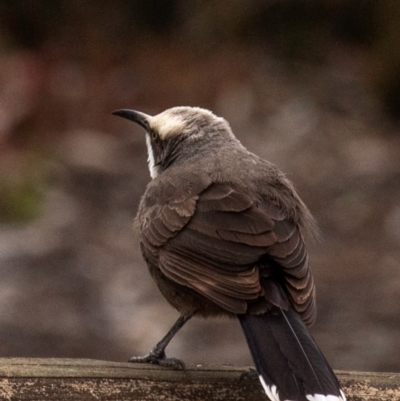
<point x="229" y="248"/>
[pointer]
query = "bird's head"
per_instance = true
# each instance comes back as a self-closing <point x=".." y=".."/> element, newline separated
<point x="178" y="133"/>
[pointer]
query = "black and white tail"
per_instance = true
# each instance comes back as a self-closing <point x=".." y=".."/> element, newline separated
<point x="288" y="361"/>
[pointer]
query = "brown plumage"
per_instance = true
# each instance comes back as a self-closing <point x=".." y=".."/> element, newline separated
<point x="216" y="239"/>
<point x="223" y="232"/>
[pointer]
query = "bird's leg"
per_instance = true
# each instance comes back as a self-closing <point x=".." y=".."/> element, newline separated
<point x="157" y="354"/>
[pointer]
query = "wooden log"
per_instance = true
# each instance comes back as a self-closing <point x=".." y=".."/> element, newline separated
<point x="85" y="379"/>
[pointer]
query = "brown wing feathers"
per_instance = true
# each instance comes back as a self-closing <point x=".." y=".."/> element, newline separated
<point x="290" y="254"/>
<point x="212" y="241"/>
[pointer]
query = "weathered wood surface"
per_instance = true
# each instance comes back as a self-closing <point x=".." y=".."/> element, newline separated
<point x="85" y="379"/>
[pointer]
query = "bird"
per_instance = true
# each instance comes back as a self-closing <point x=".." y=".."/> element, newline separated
<point x="223" y="233"/>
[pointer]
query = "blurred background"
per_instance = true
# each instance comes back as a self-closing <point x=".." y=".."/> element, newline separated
<point x="313" y="86"/>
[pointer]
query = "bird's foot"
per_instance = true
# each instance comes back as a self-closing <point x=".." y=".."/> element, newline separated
<point x="159" y="358"/>
<point x="248" y="374"/>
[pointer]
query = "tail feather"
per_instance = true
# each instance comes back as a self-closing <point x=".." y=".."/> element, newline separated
<point x="288" y="361"/>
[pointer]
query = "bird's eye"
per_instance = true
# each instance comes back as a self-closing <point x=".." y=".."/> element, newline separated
<point x="153" y="135"/>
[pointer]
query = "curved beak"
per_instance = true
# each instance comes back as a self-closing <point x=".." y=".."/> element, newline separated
<point x="136" y="116"/>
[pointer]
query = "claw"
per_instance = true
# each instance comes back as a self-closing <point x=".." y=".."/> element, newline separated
<point x="172" y="363"/>
<point x="248" y="374"/>
<point x="157" y="355"/>
<point x="159" y="359"/>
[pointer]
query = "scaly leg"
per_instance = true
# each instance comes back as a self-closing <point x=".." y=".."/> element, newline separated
<point x="157" y="354"/>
